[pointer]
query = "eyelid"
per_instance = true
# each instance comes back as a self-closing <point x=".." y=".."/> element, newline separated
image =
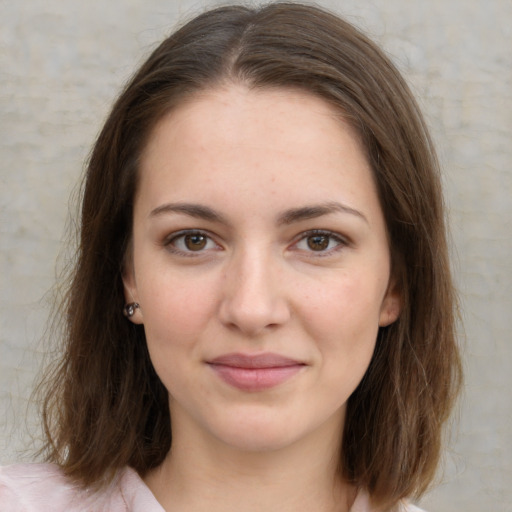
<point x="343" y="241"/>
<point x="169" y="239"/>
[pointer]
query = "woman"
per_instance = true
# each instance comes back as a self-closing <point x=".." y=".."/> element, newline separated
<point x="261" y="316"/>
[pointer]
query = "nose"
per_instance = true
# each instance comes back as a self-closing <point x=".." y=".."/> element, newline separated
<point x="253" y="297"/>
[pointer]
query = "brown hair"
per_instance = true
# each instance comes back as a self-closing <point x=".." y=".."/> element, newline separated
<point x="106" y="408"/>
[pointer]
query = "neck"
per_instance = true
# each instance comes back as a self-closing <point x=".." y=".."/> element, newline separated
<point x="202" y="475"/>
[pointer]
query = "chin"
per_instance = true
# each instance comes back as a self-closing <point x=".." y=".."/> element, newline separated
<point x="260" y="441"/>
<point x="271" y="430"/>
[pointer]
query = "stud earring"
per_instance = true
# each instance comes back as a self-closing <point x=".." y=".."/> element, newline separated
<point x="129" y="309"/>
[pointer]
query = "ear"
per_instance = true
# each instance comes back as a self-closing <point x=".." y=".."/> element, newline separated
<point x="130" y="290"/>
<point x="391" y="305"/>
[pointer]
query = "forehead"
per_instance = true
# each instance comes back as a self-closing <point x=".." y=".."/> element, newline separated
<point x="270" y="141"/>
<point x="238" y="111"/>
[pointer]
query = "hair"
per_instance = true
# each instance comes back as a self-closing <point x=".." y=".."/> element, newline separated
<point x="105" y="407"/>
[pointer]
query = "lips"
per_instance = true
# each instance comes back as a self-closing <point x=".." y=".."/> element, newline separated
<point x="255" y="372"/>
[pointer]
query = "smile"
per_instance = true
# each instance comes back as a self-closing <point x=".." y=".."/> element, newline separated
<point x="255" y="372"/>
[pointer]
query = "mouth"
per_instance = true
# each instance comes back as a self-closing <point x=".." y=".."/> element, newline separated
<point x="255" y="372"/>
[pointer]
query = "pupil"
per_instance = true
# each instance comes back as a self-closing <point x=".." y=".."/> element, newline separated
<point x="318" y="242"/>
<point x="195" y="242"/>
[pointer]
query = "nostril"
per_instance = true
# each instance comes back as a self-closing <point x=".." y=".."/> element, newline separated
<point x="254" y="318"/>
<point x="253" y="299"/>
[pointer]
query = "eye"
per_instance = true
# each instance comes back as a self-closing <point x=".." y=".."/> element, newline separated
<point x="190" y="242"/>
<point x="320" y="241"/>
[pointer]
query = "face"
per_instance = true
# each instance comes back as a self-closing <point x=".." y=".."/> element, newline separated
<point x="261" y="265"/>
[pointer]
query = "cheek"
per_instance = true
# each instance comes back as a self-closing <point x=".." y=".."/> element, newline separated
<point x="344" y="324"/>
<point x="175" y="308"/>
<point x="348" y="305"/>
<point x="175" y="316"/>
<point x="343" y="319"/>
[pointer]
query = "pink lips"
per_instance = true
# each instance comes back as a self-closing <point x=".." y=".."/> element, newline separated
<point x="255" y="372"/>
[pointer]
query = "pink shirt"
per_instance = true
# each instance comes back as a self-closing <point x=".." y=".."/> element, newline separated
<point x="43" y="488"/>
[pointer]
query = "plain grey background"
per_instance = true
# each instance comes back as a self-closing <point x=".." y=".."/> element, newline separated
<point x="63" y="62"/>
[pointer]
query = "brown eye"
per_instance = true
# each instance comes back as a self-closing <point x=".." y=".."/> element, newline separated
<point x="195" y="242"/>
<point x="318" y="242"/>
<point x="191" y="243"/>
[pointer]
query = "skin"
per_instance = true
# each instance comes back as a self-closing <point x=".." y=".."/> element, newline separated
<point x="252" y="279"/>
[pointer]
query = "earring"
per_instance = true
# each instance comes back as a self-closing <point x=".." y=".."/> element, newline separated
<point x="129" y="309"/>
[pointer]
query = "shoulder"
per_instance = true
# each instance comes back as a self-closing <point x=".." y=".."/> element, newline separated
<point x="28" y="487"/>
<point x="43" y="487"/>
<point x="408" y="507"/>
<point x="363" y="504"/>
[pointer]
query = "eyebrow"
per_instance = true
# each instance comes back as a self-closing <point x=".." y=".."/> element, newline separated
<point x="314" y="211"/>
<point x="287" y="217"/>
<point x="191" y="209"/>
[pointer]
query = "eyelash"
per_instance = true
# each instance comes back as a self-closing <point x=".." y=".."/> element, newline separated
<point x="341" y="242"/>
<point x="172" y="239"/>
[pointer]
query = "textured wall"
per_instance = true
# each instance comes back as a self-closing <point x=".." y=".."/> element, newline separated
<point x="61" y="64"/>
